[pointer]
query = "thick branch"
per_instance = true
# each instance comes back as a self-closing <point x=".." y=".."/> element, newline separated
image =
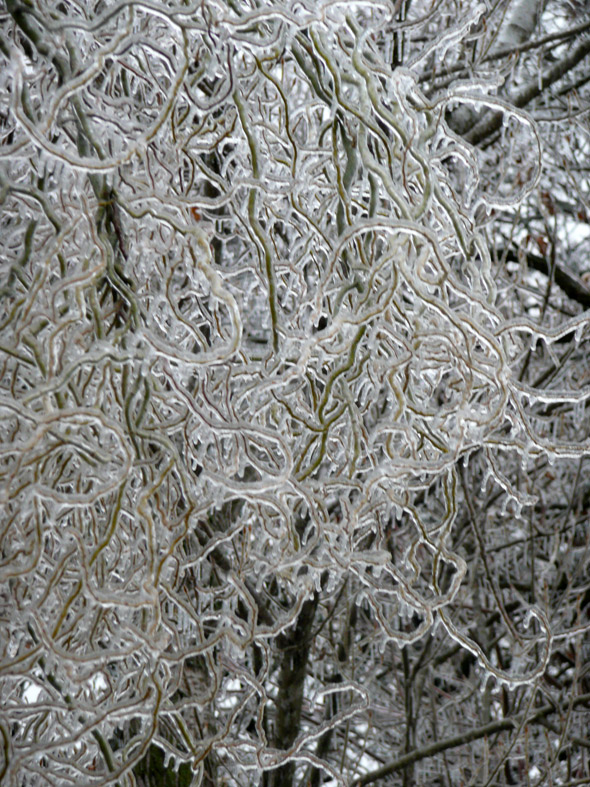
<point x="434" y="748"/>
<point x="492" y="121"/>
<point x="570" y="284"/>
<point x="459" y="740"/>
<point x="294" y="647"/>
<point x="560" y="35"/>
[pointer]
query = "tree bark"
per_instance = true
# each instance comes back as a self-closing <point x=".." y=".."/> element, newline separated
<point x="294" y="647"/>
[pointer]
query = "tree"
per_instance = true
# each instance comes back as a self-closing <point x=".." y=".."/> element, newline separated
<point x="294" y="393"/>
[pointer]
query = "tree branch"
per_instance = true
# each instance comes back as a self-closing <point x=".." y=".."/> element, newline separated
<point x="492" y="121"/>
<point x="458" y="740"/>
<point x="432" y="749"/>
<point x="570" y="284"/>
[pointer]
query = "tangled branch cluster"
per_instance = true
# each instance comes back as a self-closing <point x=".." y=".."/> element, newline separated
<point x="249" y="330"/>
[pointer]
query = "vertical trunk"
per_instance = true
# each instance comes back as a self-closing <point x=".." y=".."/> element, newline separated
<point x="409" y="742"/>
<point x="325" y="741"/>
<point x="294" y="648"/>
<point x="155" y="771"/>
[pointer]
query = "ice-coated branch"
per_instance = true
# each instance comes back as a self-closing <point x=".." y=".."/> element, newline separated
<point x="251" y="328"/>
